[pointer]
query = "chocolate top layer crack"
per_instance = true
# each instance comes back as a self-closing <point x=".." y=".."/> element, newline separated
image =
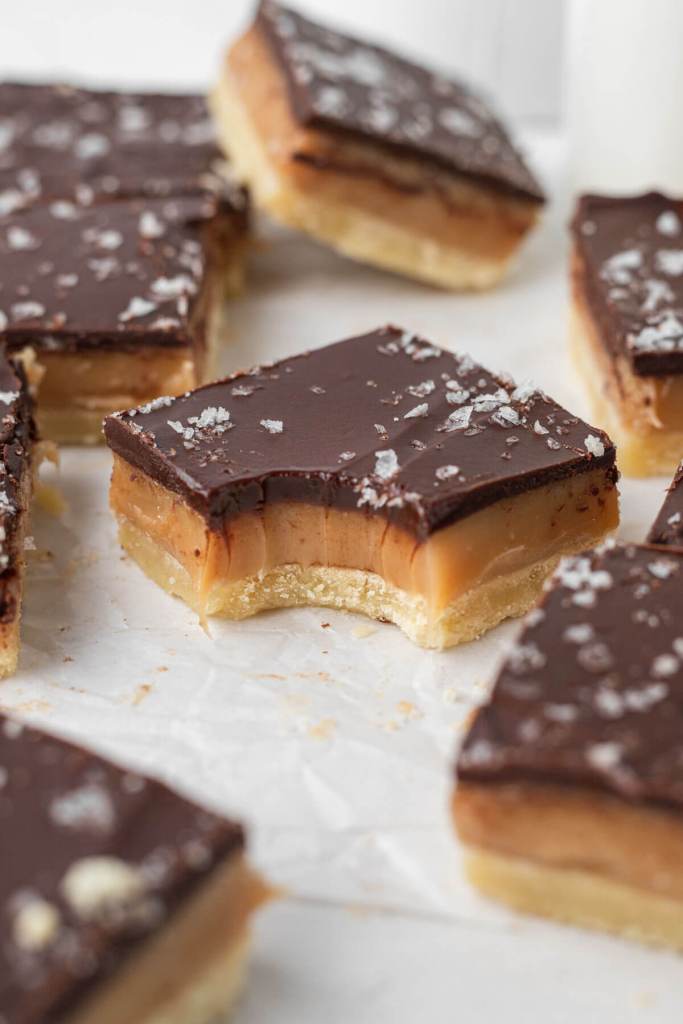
<point x="384" y="422"/>
<point x="17" y="434"/>
<point x="341" y="84"/>
<point x="630" y="273"/>
<point x="118" y="274"/>
<point x="93" y="859"/>
<point x="592" y="693"/>
<point x="668" y="526"/>
<point x="59" y="141"/>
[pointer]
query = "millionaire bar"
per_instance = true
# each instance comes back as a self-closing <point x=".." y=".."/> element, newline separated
<point x="18" y="463"/>
<point x="120" y="300"/>
<point x="667" y="528"/>
<point x="380" y="158"/>
<point x="60" y="141"/>
<point x="121" y="900"/>
<point x="627" y="323"/>
<point x="380" y="474"/>
<point x="570" y="782"/>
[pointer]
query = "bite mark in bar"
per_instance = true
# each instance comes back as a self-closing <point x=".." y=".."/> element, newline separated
<point x="380" y="474"/>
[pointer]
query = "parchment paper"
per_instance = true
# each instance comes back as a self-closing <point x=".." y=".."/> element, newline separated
<point x="332" y="737"/>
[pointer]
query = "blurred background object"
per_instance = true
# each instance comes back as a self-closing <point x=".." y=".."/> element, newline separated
<point x="624" y="88"/>
<point x="510" y="48"/>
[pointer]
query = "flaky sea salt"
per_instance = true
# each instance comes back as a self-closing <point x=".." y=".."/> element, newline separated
<point x="386" y="464"/>
<point x="594" y="446"/>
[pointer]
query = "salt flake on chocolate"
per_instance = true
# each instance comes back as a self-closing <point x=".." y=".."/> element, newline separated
<point x="386" y="464"/>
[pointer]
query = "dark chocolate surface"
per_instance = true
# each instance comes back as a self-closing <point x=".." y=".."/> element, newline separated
<point x="60" y="805"/>
<point x="17" y="434"/>
<point x="592" y="693"/>
<point x="384" y="422"/>
<point x="630" y="272"/>
<point x="117" y="274"/>
<point x="59" y="141"/>
<point x="668" y="526"/>
<point x="342" y="84"/>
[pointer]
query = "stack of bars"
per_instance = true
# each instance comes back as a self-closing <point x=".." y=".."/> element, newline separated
<point x="118" y="239"/>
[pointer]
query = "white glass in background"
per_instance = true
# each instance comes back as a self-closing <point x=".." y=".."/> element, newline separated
<point x="624" y="95"/>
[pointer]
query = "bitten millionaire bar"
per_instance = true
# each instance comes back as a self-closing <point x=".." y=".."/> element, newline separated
<point x="121" y="300"/>
<point x="380" y="158"/>
<point x="59" y="141"/>
<point x="380" y="474"/>
<point x="667" y="528"/>
<point x="627" y="323"/>
<point x="17" y="466"/>
<point x="121" y="901"/>
<point x="570" y="781"/>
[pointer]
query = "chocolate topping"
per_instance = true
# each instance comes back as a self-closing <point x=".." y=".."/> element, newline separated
<point x="93" y="859"/>
<point x="117" y="274"/>
<point x="341" y="84"/>
<point x="630" y="273"/>
<point x="386" y="423"/>
<point x="58" y="141"/>
<point x="592" y="693"/>
<point x="17" y="434"/>
<point x="668" y="526"/>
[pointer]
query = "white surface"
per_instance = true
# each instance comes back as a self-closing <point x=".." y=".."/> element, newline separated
<point x="336" y="749"/>
<point x="510" y="48"/>
<point x="625" y="95"/>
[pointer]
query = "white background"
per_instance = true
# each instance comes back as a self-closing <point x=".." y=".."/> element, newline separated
<point x="511" y="47"/>
<point x="336" y="749"/>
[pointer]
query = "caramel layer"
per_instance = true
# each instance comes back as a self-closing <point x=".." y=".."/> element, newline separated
<point x="504" y="540"/>
<point x="343" y="190"/>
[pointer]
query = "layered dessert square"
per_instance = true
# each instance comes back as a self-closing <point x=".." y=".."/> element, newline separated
<point x="627" y="323"/>
<point x="18" y="463"/>
<point x="570" y="782"/>
<point x="120" y="300"/>
<point x="380" y="474"/>
<point x="121" y="900"/>
<point x="667" y="528"/>
<point x="60" y="141"/>
<point x="383" y="160"/>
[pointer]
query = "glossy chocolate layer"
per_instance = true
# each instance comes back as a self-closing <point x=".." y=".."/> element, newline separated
<point x="17" y="434"/>
<point x="668" y="526"/>
<point x="592" y="693"/>
<point x="117" y="274"/>
<point x="58" y="141"/>
<point x="629" y="271"/>
<point x="340" y="84"/>
<point x="385" y="422"/>
<point x="60" y="805"/>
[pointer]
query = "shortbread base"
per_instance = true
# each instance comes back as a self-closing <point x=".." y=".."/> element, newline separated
<point x="646" y="446"/>
<point x="577" y="897"/>
<point x="358" y="213"/>
<point x="355" y="590"/>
